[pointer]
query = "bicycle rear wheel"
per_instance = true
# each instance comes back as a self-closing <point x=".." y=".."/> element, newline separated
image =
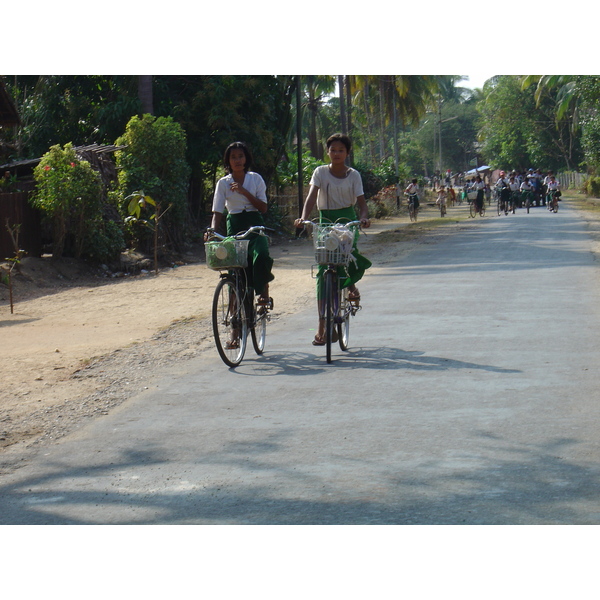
<point x="259" y="330"/>
<point x="229" y="322"/>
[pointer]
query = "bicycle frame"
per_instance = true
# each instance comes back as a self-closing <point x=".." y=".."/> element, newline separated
<point x="234" y="313"/>
<point x="335" y="307"/>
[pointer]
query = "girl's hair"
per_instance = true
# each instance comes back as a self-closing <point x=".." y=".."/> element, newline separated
<point x="247" y="154"/>
<point x="340" y="137"/>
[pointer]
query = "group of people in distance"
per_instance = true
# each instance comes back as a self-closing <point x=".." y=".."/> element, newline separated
<point x="337" y="191"/>
<point x="533" y="182"/>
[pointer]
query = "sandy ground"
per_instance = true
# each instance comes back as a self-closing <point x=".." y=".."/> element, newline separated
<point x="79" y="343"/>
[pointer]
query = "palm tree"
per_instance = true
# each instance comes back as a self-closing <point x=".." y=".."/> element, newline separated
<point x="399" y="99"/>
<point x="316" y="88"/>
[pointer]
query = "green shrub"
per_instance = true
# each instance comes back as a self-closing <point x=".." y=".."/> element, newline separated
<point x="592" y="187"/>
<point x="69" y="194"/>
<point x="154" y="162"/>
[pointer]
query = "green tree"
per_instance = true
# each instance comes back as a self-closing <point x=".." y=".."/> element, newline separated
<point x="81" y="109"/>
<point x="588" y="90"/>
<point x="69" y="195"/>
<point x="154" y="161"/>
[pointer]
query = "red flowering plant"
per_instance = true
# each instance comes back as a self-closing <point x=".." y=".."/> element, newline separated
<point x="69" y="195"/>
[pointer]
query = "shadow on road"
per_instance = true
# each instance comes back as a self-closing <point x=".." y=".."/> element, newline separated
<point x="380" y="358"/>
<point x="535" y="486"/>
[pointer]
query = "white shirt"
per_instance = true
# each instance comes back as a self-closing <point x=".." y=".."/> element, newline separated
<point x="553" y="185"/>
<point x="235" y="202"/>
<point x="335" y="193"/>
<point x="413" y="188"/>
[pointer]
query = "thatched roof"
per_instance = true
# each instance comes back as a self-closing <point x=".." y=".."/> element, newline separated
<point x="8" y="111"/>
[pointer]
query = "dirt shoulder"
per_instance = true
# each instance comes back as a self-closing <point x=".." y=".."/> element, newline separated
<point x="80" y="343"/>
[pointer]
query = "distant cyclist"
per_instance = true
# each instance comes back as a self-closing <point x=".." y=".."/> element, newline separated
<point x="479" y="187"/>
<point x="412" y="191"/>
<point x="513" y="185"/>
<point x="552" y="186"/>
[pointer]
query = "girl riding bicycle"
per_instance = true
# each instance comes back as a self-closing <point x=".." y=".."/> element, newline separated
<point x="243" y="193"/>
<point x="336" y="190"/>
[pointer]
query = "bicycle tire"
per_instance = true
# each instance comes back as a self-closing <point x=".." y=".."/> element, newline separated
<point x="228" y="315"/>
<point x="344" y="327"/>
<point x="330" y="289"/>
<point x="473" y="210"/>
<point x="258" y="332"/>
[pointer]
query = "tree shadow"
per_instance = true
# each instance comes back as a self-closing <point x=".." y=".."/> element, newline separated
<point x="530" y="484"/>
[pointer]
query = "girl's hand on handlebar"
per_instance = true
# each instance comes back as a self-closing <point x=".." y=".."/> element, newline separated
<point x="366" y="223"/>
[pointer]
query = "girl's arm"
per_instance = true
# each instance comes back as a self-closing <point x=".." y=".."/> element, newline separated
<point x="216" y="220"/>
<point x="363" y="211"/>
<point x="309" y="204"/>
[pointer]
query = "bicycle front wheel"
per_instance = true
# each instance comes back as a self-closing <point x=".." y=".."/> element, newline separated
<point x="229" y="322"/>
<point x="473" y="210"/>
<point x="330" y="302"/>
<point x="343" y="327"/>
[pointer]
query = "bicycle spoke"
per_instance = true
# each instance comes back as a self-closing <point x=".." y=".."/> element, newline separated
<point x="229" y="322"/>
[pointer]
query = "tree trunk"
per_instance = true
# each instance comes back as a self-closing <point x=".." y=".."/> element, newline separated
<point x="145" y="94"/>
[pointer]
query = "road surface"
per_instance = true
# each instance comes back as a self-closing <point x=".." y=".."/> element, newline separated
<point x="469" y="396"/>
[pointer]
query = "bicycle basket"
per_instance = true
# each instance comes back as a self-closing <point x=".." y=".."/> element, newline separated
<point x="333" y="243"/>
<point x="226" y="254"/>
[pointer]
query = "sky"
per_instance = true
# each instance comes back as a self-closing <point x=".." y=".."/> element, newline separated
<point x="475" y="81"/>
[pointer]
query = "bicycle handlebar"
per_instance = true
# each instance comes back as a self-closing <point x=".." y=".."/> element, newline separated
<point x="348" y="224"/>
<point x="260" y="229"/>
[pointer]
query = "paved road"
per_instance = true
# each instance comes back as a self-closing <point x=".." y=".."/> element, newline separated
<point x="469" y="396"/>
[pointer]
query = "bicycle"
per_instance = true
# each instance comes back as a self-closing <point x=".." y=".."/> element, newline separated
<point x="502" y="204"/>
<point x="413" y="209"/>
<point x="333" y="244"/>
<point x="528" y="199"/>
<point x="473" y="209"/>
<point x="552" y="201"/>
<point x="234" y="309"/>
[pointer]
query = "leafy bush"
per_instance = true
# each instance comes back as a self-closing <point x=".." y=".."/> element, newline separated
<point x="154" y="163"/>
<point x="69" y="194"/>
<point x="592" y="187"/>
<point x="287" y="169"/>
<point x="106" y="240"/>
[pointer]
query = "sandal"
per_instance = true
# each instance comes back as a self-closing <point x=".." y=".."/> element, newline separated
<point x="320" y="341"/>
<point x="232" y="345"/>
<point x="354" y="296"/>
